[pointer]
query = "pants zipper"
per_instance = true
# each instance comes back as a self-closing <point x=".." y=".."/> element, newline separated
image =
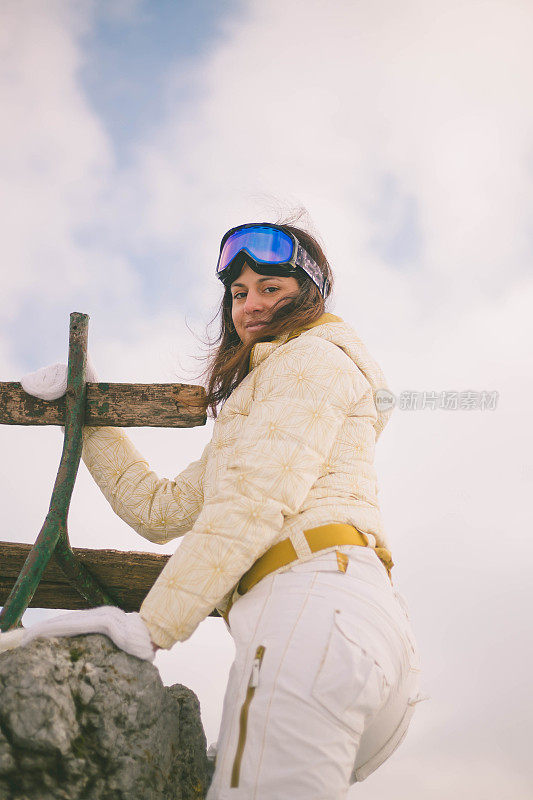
<point x="243" y="719"/>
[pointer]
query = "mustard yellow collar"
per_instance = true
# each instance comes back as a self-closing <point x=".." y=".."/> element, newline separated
<point x="325" y="318"/>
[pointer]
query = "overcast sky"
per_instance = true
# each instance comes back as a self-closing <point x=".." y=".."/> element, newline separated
<point x="135" y="133"/>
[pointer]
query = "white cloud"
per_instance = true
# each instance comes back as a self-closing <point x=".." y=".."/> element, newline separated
<point x="326" y="104"/>
<point x="54" y="150"/>
<point x="57" y="165"/>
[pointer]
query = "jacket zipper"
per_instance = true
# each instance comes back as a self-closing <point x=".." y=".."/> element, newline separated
<point x="243" y="719"/>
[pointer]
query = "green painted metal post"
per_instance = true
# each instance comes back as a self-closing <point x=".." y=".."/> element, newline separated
<point x="53" y="535"/>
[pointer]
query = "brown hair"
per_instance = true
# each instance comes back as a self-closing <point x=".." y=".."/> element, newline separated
<point x="229" y="363"/>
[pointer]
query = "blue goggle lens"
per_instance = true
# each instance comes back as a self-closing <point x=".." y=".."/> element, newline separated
<point x="262" y="244"/>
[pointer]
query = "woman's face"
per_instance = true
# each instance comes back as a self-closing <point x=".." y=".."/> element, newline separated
<point x="253" y="296"/>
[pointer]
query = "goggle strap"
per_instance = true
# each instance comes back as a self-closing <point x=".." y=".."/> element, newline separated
<point x="311" y="268"/>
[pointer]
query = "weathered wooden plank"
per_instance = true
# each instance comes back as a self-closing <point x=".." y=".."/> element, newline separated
<point x="128" y="575"/>
<point x="156" y="405"/>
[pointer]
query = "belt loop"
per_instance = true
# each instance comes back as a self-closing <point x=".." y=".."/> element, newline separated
<point x="300" y="544"/>
<point x="342" y="561"/>
<point x="371" y="540"/>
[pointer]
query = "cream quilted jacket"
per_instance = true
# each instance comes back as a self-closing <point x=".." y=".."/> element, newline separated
<point x="292" y="448"/>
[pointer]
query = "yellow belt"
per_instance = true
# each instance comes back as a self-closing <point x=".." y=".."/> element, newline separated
<point x="320" y="538"/>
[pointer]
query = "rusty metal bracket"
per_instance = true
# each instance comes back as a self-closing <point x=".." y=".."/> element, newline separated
<point x="53" y="537"/>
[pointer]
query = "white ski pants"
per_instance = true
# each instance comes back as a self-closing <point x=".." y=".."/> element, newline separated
<point x="323" y="685"/>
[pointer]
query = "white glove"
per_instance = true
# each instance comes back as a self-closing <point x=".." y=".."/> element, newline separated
<point x="11" y="639"/>
<point x="49" y="383"/>
<point x="127" y="630"/>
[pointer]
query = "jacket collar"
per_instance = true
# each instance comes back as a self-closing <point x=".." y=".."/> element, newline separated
<point x="262" y="350"/>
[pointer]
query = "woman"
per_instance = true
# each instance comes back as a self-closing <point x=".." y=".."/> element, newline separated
<point x="281" y="532"/>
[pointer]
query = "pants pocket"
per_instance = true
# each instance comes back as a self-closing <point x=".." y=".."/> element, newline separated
<point x="349" y="684"/>
<point x="364" y="770"/>
<point x="390" y="726"/>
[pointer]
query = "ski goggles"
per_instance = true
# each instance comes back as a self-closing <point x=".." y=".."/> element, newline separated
<point x="272" y="250"/>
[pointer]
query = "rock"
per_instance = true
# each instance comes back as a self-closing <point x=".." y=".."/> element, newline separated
<point x="82" y="720"/>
